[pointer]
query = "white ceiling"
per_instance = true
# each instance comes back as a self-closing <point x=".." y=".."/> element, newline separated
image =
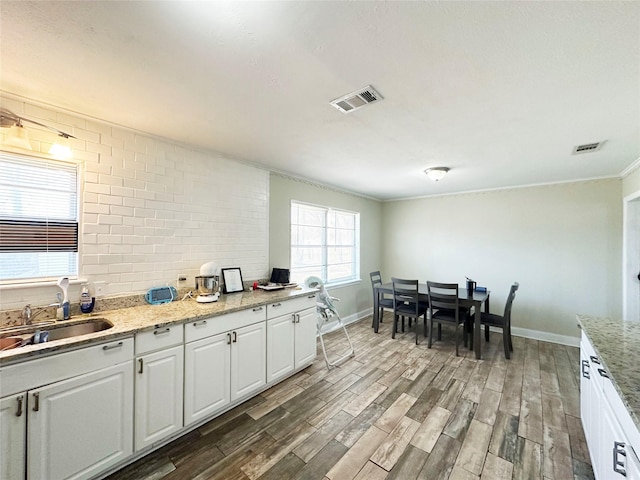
<point x="500" y="92"/>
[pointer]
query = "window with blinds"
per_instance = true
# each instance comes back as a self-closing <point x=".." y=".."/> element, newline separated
<point x="325" y="242"/>
<point x="38" y="218"/>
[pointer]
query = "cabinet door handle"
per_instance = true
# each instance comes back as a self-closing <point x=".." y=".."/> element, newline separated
<point x="235" y="337"/>
<point x="293" y="318"/>
<point x="595" y="359"/>
<point x="111" y="347"/>
<point x="257" y="309"/>
<point x="161" y="332"/>
<point x="618" y="466"/>
<point x="141" y="363"/>
<point x="20" y="399"/>
<point x="202" y="322"/>
<point x="585" y="369"/>
<point x="276" y="304"/>
<point x="228" y="339"/>
<point x="311" y="296"/>
<point x="36" y="403"/>
<point x="297" y="318"/>
<point x="603" y="373"/>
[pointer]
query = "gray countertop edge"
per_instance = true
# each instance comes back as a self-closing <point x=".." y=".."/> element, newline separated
<point x="129" y="321"/>
<point x="617" y="344"/>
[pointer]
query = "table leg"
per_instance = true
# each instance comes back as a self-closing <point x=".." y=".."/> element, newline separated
<point x="477" y="344"/>
<point x="376" y="313"/>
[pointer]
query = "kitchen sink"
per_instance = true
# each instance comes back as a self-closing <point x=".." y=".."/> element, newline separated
<point x="24" y="335"/>
<point x="92" y="326"/>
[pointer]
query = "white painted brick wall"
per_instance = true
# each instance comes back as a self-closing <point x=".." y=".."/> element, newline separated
<point x="152" y="209"/>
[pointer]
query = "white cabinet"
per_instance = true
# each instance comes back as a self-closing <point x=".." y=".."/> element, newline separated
<point x="68" y="415"/>
<point x="207" y="380"/>
<point x="291" y="336"/>
<point x="78" y="427"/>
<point x="225" y="361"/>
<point x="158" y="385"/>
<point x="611" y="434"/>
<point x="13" y="429"/>
<point x="248" y="353"/>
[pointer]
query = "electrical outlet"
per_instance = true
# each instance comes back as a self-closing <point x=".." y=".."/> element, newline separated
<point x="99" y="288"/>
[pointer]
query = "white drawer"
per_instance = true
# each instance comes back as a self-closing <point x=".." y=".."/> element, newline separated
<point x="199" y="329"/>
<point x="276" y="309"/>
<point x="158" y="338"/>
<point x="49" y="369"/>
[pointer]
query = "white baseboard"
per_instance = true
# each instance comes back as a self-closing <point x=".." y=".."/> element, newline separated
<point x="545" y="336"/>
<point x="516" y="331"/>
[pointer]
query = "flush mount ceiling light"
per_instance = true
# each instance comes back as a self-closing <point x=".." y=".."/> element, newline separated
<point x="19" y="137"/>
<point x="436" y="173"/>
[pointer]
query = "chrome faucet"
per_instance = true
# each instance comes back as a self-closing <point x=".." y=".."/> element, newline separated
<point x="27" y="316"/>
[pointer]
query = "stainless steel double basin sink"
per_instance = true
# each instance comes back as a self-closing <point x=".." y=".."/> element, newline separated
<point x="14" y="337"/>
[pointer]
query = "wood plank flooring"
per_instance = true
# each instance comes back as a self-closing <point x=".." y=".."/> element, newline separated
<point x="397" y="411"/>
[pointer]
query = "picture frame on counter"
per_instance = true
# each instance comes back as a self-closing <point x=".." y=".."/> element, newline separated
<point x="232" y="278"/>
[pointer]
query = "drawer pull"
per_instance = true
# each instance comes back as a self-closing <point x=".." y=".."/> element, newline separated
<point x="257" y="309"/>
<point x="618" y="466"/>
<point x="36" y="403"/>
<point x="161" y="332"/>
<point x="111" y="347"/>
<point x="311" y="296"/>
<point x="276" y="305"/>
<point x="203" y="322"/>
<point x="20" y="399"/>
<point x="603" y="373"/>
<point x="141" y="365"/>
<point x="585" y="369"/>
<point x="595" y="359"/>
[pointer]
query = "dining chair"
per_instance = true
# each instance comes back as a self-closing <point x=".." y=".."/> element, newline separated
<point x="406" y="303"/>
<point x="376" y="281"/>
<point x="501" y="321"/>
<point x="444" y="306"/>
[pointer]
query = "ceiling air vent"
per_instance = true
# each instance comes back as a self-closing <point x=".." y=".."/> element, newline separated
<point x="354" y="100"/>
<point x="587" y="147"/>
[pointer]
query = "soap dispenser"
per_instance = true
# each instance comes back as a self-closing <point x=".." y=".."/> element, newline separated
<point x="86" y="301"/>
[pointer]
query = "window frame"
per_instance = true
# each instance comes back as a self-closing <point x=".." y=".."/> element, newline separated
<point x="355" y="265"/>
<point x="47" y="225"/>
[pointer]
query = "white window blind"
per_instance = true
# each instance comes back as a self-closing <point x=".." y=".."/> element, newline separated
<point x="324" y="243"/>
<point x="38" y="218"/>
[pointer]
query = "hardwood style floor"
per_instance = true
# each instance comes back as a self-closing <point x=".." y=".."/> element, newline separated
<point x="397" y="411"/>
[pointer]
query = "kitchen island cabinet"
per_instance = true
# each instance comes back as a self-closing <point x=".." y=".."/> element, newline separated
<point x="611" y="432"/>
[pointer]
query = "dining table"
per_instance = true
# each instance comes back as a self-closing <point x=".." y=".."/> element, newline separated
<point x="475" y="298"/>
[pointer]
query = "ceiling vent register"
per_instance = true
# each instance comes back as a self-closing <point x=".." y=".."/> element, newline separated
<point x="587" y="147"/>
<point x="358" y="99"/>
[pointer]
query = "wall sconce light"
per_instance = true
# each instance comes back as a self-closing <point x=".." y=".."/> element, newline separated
<point x="436" y="173"/>
<point x="18" y="136"/>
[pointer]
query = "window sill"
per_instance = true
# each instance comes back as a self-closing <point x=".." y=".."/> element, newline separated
<point x="36" y="284"/>
<point x="346" y="283"/>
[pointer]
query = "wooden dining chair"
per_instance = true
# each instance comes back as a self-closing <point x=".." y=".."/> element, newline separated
<point x="376" y="281"/>
<point x="406" y="303"/>
<point x="502" y="321"/>
<point x="444" y="306"/>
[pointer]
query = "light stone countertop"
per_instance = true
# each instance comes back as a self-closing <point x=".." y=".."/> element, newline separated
<point x="617" y="344"/>
<point x="128" y="321"/>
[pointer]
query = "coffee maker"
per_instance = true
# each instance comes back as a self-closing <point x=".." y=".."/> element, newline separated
<point x="208" y="283"/>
